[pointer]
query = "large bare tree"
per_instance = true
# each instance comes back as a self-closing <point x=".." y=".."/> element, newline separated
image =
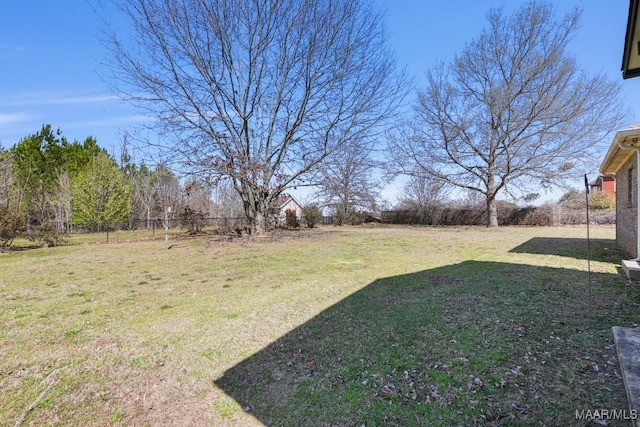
<point x="348" y="183"/>
<point x="512" y="111"/>
<point x="258" y="91"/>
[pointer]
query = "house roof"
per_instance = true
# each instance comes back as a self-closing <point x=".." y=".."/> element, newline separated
<point x="621" y="149"/>
<point x="601" y="178"/>
<point x="283" y="200"/>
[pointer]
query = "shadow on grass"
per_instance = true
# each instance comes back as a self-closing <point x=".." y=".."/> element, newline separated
<point x="605" y="250"/>
<point x="472" y="343"/>
<point x="22" y="248"/>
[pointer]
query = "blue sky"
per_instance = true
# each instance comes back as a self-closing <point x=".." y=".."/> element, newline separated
<point x="51" y="60"/>
<point x="52" y="68"/>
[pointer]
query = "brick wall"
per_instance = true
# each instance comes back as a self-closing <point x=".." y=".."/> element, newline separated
<point x="626" y="209"/>
<point x="609" y="185"/>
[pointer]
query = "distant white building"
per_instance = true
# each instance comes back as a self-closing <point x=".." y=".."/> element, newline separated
<point x="283" y="204"/>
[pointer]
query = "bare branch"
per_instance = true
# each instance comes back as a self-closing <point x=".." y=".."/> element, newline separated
<point x="259" y="91"/>
<point x="513" y="108"/>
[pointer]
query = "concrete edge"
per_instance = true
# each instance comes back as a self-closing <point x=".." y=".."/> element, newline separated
<point x="631" y="269"/>
<point x="627" y="342"/>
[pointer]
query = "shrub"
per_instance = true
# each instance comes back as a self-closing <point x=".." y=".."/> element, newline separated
<point x="291" y="218"/>
<point x="601" y="200"/>
<point x="312" y="215"/>
<point x="192" y="220"/>
<point x="12" y="225"/>
<point x="47" y="234"/>
<point x="545" y="215"/>
<point x="350" y="217"/>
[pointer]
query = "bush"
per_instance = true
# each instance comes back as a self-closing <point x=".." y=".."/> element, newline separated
<point x="12" y="225"/>
<point x="312" y="215"/>
<point x="350" y="217"/>
<point x="508" y="214"/>
<point x="47" y="234"/>
<point x="545" y="215"/>
<point x="601" y="200"/>
<point x="192" y="220"/>
<point x="291" y="218"/>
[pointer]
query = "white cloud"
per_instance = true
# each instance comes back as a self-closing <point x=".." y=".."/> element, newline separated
<point x="53" y="98"/>
<point x="8" y="47"/>
<point x="11" y="118"/>
<point x="84" y="99"/>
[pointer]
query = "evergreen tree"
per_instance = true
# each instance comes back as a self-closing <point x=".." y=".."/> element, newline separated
<point x="40" y="162"/>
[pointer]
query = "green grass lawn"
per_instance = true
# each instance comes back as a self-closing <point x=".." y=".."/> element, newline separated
<point x="374" y="326"/>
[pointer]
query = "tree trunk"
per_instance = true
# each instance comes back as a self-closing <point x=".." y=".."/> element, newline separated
<point x="492" y="208"/>
<point x="258" y="224"/>
<point x="492" y="213"/>
<point x="255" y="212"/>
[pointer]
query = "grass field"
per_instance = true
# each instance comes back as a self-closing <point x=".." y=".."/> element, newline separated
<point x="374" y="326"/>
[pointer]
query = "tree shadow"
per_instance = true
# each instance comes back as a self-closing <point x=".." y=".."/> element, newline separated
<point x="471" y="343"/>
<point x="605" y="250"/>
<point x="21" y="248"/>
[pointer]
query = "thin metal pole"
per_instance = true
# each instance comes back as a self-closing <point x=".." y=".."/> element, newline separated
<point x="586" y="185"/>
<point x="166" y="224"/>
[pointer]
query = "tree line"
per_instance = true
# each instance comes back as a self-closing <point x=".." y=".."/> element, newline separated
<point x="269" y="95"/>
<point x="51" y="185"/>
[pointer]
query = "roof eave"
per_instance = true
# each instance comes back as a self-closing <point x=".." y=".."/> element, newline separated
<point x="617" y="155"/>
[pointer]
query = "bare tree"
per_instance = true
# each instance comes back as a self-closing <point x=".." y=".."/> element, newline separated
<point x="227" y="203"/>
<point x="168" y="190"/>
<point x="59" y="201"/>
<point x="7" y="180"/>
<point x="258" y="91"/>
<point x="512" y="111"/>
<point x="347" y="181"/>
<point x="420" y="191"/>
<point x="145" y="193"/>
